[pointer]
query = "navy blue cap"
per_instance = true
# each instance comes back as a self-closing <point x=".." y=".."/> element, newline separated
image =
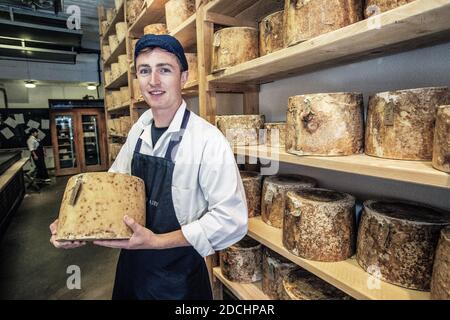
<point x="165" y="42"/>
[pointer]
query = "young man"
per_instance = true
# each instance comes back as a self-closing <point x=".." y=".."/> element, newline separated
<point x="195" y="198"/>
<point x="38" y="155"/>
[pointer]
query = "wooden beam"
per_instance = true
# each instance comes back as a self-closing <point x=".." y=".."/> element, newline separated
<point x="251" y="102"/>
<point x="205" y="33"/>
<point x="225" y="20"/>
<point x="234" y="87"/>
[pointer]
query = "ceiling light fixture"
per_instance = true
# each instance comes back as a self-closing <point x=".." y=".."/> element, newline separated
<point x="30" y="84"/>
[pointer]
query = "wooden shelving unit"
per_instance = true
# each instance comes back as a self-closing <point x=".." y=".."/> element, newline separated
<point x="347" y="275"/>
<point x="186" y="32"/>
<point x="417" y="24"/>
<point x="153" y="13"/>
<point x="121" y="81"/>
<point x="422" y="22"/>
<point x="121" y="49"/>
<point x="112" y="27"/>
<point x="122" y="108"/>
<point x="243" y="291"/>
<point x="420" y="172"/>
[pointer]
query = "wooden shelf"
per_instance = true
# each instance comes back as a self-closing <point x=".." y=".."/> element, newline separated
<point x="419" y="23"/>
<point x="119" y="17"/>
<point x="118" y="135"/>
<point x="186" y="32"/>
<point x="121" y="81"/>
<point x="244" y="291"/>
<point x="190" y="89"/>
<point x="347" y="275"/>
<point x="420" y="172"/>
<point x="224" y="7"/>
<point x="123" y="107"/>
<point x="153" y="13"/>
<point x="121" y="49"/>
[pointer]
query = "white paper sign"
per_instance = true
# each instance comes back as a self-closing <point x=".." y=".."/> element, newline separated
<point x="19" y="118"/>
<point x="11" y="122"/>
<point x="33" y="124"/>
<point x="7" y="133"/>
<point x="45" y="124"/>
<point x="41" y="135"/>
<point x="27" y="130"/>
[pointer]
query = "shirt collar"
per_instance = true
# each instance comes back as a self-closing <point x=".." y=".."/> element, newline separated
<point x="175" y="124"/>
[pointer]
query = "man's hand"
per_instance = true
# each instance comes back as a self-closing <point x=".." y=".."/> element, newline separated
<point x="35" y="157"/>
<point x="142" y="238"/>
<point x="63" y="244"/>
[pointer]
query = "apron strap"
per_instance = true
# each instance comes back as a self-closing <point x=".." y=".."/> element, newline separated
<point x="137" y="148"/>
<point x="172" y="149"/>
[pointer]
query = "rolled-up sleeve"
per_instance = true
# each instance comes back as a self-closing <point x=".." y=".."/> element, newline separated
<point x="226" y="221"/>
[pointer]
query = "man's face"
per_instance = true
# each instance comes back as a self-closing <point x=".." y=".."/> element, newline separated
<point x="160" y="78"/>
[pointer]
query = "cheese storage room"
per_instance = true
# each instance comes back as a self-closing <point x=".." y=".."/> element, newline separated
<point x="225" y="150"/>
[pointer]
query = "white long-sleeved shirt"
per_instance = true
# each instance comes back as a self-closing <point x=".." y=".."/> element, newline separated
<point x="207" y="190"/>
<point x="32" y="143"/>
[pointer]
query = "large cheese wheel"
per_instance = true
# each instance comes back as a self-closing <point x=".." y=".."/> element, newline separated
<point x="274" y="269"/>
<point x="133" y="9"/>
<point x="193" y="67"/>
<point x="156" y="28"/>
<point x="273" y="200"/>
<point x="275" y="134"/>
<point x="440" y="281"/>
<point x="325" y="124"/>
<point x="110" y="13"/>
<point x="117" y="98"/>
<point x="242" y="261"/>
<point x="137" y="95"/>
<point x="319" y="224"/>
<point x="125" y="94"/>
<point x="241" y="130"/>
<point x="400" y="124"/>
<point x="121" y="30"/>
<point x="271" y="35"/>
<point x="374" y="7"/>
<point x="113" y="42"/>
<point x="441" y="143"/>
<point x="299" y="284"/>
<point x="252" y="184"/>
<point x="118" y="4"/>
<point x="233" y="46"/>
<point x="106" y="52"/>
<point x="306" y="19"/>
<point x="94" y="204"/>
<point x="397" y="241"/>
<point x="104" y="26"/>
<point x="115" y="70"/>
<point x="177" y="11"/>
<point x="123" y="63"/>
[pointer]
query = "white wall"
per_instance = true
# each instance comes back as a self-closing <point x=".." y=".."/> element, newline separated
<point x="413" y="69"/>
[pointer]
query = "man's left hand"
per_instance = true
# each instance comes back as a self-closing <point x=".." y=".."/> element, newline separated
<point x="142" y="238"/>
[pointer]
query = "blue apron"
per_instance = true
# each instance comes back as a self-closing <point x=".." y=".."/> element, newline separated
<point x="178" y="273"/>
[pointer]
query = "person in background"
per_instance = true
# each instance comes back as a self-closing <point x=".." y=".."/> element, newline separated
<point x="38" y="155"/>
